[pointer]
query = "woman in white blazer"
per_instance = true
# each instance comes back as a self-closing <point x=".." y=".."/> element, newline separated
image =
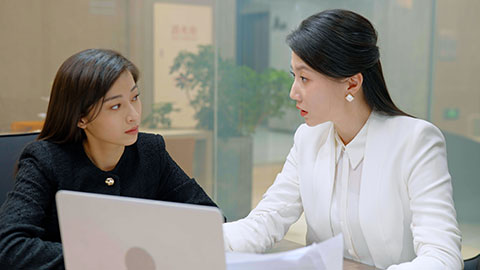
<point x="359" y="166"/>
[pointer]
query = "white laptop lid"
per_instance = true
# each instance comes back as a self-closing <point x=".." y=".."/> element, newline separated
<point x="112" y="232"/>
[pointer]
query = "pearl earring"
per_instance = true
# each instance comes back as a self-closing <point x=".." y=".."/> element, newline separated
<point x="349" y="98"/>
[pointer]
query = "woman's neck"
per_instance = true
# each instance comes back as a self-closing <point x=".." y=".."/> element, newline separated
<point x="104" y="156"/>
<point x="348" y="127"/>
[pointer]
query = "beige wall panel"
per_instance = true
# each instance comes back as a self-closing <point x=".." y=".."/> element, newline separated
<point x="21" y="60"/>
<point x="41" y="35"/>
<point x="177" y="27"/>
<point x="73" y="25"/>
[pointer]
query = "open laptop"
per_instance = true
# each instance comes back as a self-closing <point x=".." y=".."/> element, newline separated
<point x="112" y="232"/>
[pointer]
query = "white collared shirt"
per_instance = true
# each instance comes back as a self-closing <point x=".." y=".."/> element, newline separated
<point x="346" y="196"/>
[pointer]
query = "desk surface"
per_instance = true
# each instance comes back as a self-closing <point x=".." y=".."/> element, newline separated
<point x="286" y="245"/>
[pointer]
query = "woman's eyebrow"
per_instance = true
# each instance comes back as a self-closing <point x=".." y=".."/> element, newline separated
<point x="119" y="96"/>
<point x="110" y="98"/>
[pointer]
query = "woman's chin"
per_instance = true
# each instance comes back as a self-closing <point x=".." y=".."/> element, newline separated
<point x="132" y="140"/>
<point x="312" y="123"/>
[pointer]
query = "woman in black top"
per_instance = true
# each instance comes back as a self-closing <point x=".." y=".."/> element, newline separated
<point x="90" y="142"/>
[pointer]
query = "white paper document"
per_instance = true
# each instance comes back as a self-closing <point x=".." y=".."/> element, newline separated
<point x="318" y="256"/>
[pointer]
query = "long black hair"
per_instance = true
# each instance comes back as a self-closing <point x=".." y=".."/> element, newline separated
<point x="80" y="84"/>
<point x="339" y="44"/>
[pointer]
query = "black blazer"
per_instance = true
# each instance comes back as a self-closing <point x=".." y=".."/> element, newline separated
<point x="29" y="232"/>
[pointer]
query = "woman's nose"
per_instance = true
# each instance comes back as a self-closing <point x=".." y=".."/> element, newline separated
<point x="293" y="93"/>
<point x="133" y="114"/>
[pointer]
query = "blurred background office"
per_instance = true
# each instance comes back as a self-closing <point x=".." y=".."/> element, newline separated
<point x="215" y="80"/>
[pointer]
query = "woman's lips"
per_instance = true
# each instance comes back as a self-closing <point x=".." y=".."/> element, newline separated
<point x="302" y="112"/>
<point x="132" y="131"/>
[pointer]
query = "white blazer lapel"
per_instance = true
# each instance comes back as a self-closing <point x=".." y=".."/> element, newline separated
<point x="318" y="186"/>
<point x="373" y="188"/>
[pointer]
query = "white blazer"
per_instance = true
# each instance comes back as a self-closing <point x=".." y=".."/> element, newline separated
<point x="406" y="208"/>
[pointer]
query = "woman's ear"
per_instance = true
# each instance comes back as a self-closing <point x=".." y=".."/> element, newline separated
<point x="355" y="83"/>
<point x="82" y="123"/>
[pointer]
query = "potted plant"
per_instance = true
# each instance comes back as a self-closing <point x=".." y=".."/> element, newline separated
<point x="159" y="116"/>
<point x="246" y="99"/>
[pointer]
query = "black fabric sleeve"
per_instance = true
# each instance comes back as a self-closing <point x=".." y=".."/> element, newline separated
<point x="177" y="186"/>
<point x="22" y="218"/>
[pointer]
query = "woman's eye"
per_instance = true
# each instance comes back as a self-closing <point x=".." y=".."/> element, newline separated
<point x="301" y="77"/>
<point x="115" y="107"/>
<point x="135" y="98"/>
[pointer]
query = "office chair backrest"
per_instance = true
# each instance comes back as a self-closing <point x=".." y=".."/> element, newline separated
<point x="472" y="263"/>
<point x="11" y="147"/>
<point x="463" y="160"/>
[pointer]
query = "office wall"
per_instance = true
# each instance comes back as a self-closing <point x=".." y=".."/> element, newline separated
<point x="22" y="71"/>
<point x="37" y="36"/>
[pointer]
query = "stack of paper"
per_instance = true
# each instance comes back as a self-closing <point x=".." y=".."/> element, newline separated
<point x="318" y="256"/>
